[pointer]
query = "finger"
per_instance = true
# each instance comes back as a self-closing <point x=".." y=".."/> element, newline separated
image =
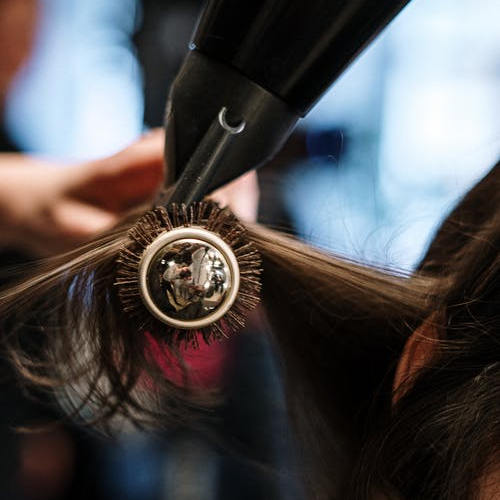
<point x="148" y="149"/>
<point x="78" y="222"/>
<point x="241" y="196"/>
<point x="65" y="226"/>
<point x="124" y="180"/>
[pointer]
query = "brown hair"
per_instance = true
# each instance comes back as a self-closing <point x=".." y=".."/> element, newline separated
<point x="443" y="435"/>
<point x="340" y="328"/>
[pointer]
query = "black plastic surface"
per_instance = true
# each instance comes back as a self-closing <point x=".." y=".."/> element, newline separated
<point x="267" y="62"/>
<point x="293" y="48"/>
<point x="202" y="88"/>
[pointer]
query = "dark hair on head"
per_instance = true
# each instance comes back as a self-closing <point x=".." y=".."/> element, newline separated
<point x="340" y="328"/>
<point x="441" y="439"/>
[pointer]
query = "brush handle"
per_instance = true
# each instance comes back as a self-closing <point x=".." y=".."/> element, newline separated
<point x="293" y="48"/>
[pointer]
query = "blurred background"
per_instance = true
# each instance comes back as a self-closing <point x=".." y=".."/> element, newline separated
<point x="368" y="174"/>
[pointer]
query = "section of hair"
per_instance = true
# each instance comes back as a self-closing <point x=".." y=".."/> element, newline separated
<point x="64" y="331"/>
<point x="443" y="434"/>
<point x="340" y="328"/>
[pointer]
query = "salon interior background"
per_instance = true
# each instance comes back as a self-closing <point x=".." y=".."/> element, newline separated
<point x="377" y="163"/>
<point x="409" y="126"/>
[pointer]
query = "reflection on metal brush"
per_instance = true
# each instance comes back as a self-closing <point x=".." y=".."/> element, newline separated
<point x="186" y="270"/>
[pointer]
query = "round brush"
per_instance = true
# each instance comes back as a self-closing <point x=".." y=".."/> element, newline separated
<point x="189" y="267"/>
<point x="186" y="270"/>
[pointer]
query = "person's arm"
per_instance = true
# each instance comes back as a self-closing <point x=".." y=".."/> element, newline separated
<point x="46" y="209"/>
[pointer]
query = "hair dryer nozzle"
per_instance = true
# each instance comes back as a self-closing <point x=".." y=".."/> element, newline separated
<point x="219" y="125"/>
<point x="266" y="62"/>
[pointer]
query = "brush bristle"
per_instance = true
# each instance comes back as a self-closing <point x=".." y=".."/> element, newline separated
<point x="207" y="215"/>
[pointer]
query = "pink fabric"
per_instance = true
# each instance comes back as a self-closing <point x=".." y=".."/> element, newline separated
<point x="206" y="365"/>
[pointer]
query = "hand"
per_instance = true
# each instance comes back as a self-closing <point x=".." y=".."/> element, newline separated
<point x="46" y="209"/>
<point x="241" y="196"/>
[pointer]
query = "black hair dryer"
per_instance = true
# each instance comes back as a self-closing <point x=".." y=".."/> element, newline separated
<point x="255" y="67"/>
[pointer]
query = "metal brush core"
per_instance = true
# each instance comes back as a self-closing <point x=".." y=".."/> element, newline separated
<point x="188" y="277"/>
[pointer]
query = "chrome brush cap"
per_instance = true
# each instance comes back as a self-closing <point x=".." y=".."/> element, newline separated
<point x="188" y="277"/>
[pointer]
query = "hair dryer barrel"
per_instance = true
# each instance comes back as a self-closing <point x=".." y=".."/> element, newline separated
<point x="255" y="68"/>
<point x="293" y="48"/>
